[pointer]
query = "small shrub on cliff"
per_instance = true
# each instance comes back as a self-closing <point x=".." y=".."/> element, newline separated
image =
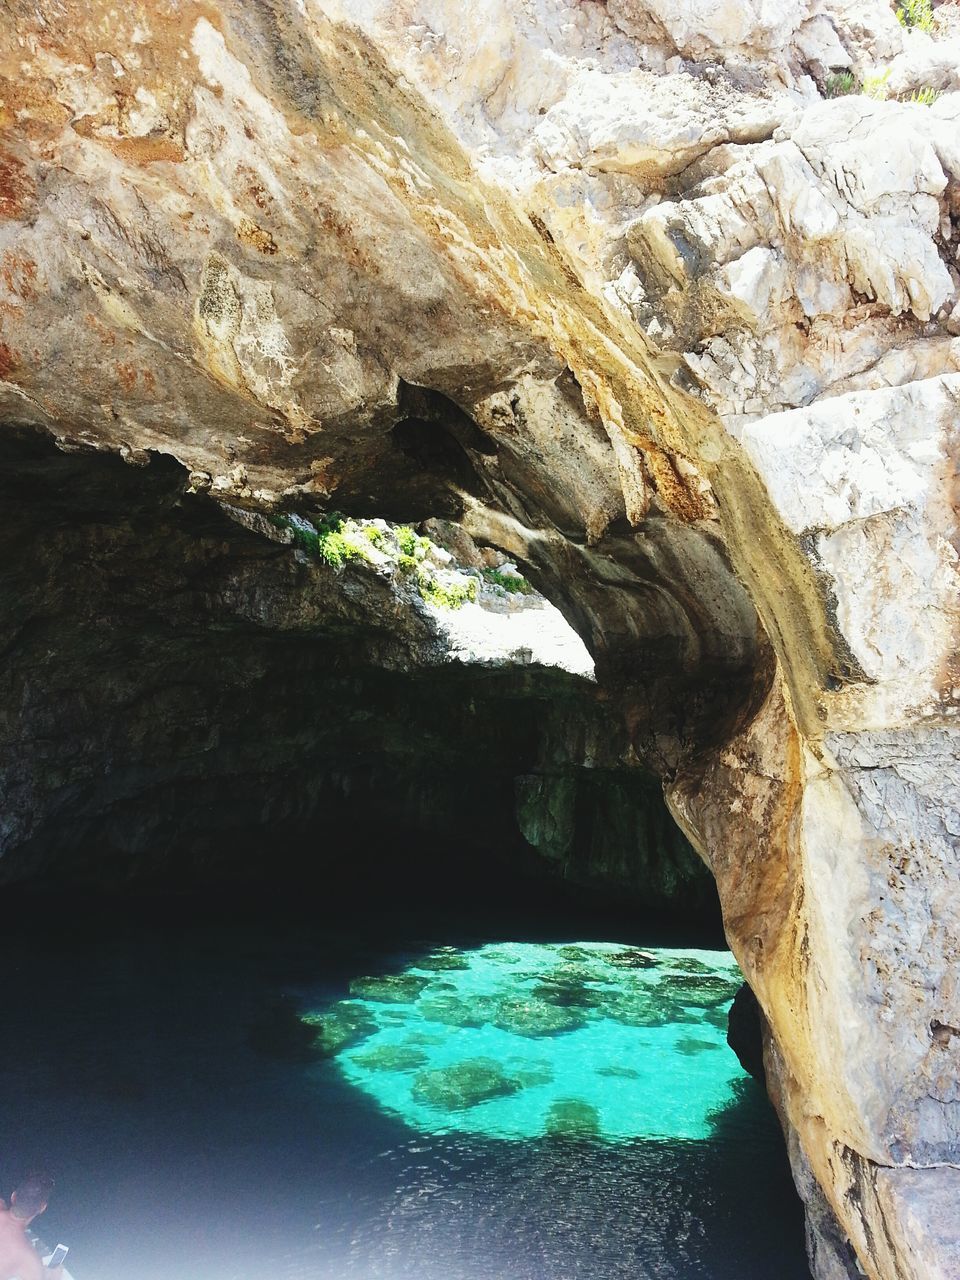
<point x="335" y="541"/>
<point x="840" y="84"/>
<point x="406" y="539"/>
<point x="445" y="595"/>
<point x="510" y="582"/>
<point x="926" y="96"/>
<point x="917" y="14"/>
<point x="875" y="86"/>
<point x="413" y="548"/>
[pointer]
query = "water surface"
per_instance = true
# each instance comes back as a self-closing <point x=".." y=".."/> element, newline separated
<point x="167" y="1072"/>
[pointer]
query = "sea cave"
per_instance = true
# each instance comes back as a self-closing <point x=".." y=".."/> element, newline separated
<point x="478" y="601"/>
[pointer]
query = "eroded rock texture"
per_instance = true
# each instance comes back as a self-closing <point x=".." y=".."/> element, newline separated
<point x="627" y="291"/>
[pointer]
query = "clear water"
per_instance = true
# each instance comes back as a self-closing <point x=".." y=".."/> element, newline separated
<point x="164" y="1072"/>
<point x="522" y="1040"/>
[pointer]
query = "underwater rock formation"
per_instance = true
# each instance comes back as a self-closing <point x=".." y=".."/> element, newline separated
<point x="491" y="1052"/>
<point x="645" y="296"/>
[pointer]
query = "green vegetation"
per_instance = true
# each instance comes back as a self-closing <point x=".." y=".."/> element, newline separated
<point x="510" y="582"/>
<point x="337" y="540"/>
<point x="840" y="84"/>
<point x="875" y="86"/>
<point x="445" y="595"/>
<point x="406" y="539"/>
<point x="926" y="96"/>
<point x="917" y="14"/>
<point x="412" y="548"/>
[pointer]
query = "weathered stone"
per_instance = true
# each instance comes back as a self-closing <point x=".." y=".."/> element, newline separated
<point x="693" y="371"/>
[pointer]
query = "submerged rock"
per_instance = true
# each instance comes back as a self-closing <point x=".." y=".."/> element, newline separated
<point x="464" y="1084"/>
<point x="646" y="1009"/>
<point x="632" y="958"/>
<point x="691" y="1046"/>
<point x="532" y="1074"/>
<point x="579" y="955"/>
<point x="391" y="1057"/>
<point x="572" y="1117"/>
<point x="717" y="1017"/>
<point x="347" y="1023"/>
<point x="442" y="961"/>
<point x="536" y="1018"/>
<point x="705" y="990"/>
<point x="454" y="1011"/>
<point x="393" y="988"/>
<point x="573" y="995"/>
<point x="690" y="966"/>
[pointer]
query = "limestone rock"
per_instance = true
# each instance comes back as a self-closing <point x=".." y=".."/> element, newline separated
<point x="624" y="293"/>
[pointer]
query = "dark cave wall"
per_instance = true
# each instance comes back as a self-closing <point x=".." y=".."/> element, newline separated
<point x="183" y="701"/>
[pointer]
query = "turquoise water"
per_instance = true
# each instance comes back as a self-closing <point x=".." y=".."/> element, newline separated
<point x="161" y="1069"/>
<point x="521" y="1040"/>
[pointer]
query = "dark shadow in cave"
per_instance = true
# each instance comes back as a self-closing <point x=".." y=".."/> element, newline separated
<point x="180" y="695"/>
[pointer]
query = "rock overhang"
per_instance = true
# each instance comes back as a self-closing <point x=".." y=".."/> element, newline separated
<point x="705" y="394"/>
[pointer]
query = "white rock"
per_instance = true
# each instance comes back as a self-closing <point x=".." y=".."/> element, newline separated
<point x="754" y="283"/>
<point x="817" y="41"/>
<point x="697" y="27"/>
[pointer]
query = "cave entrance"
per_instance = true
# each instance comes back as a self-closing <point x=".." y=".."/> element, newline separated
<point x="245" y="780"/>
<point x="205" y="701"/>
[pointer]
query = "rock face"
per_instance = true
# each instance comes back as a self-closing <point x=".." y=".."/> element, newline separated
<point x="625" y="290"/>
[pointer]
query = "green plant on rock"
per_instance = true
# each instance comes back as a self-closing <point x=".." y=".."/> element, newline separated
<point x="510" y="582"/>
<point x="916" y="14"/>
<point x="925" y="96"/>
<point x="335" y="541"/>
<point x="875" y="86"/>
<point x="412" y="546"/>
<point x="406" y="539"/>
<point x="840" y="84"/>
<point x="444" y="595"/>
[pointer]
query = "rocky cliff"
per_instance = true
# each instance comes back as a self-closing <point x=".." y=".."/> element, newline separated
<point x="661" y="300"/>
